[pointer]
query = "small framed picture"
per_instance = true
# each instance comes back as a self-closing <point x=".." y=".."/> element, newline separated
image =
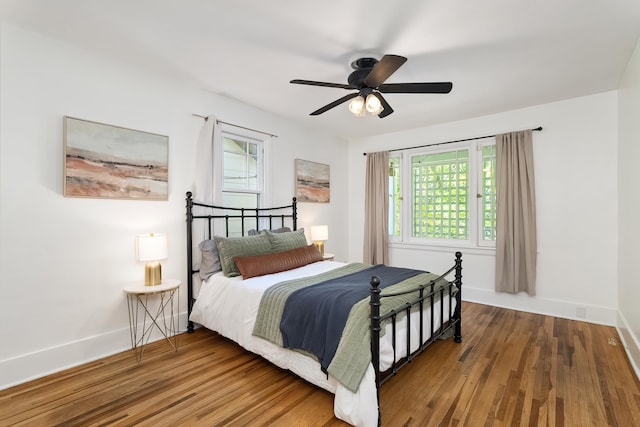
<point x="312" y="182"/>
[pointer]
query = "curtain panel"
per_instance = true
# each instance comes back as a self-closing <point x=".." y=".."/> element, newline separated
<point x="516" y="242"/>
<point x="376" y="209"/>
<point x="207" y="184"/>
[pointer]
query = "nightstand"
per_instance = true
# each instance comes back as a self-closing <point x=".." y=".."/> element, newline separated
<point x="153" y="306"/>
<point x="327" y="257"/>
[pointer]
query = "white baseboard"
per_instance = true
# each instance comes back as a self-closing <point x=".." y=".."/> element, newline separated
<point x="538" y="305"/>
<point x="30" y="366"/>
<point x="630" y="343"/>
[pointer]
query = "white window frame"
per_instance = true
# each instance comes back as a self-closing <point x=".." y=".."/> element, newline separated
<point x="392" y="237"/>
<point x="481" y="242"/>
<point x="475" y="238"/>
<point x="263" y="142"/>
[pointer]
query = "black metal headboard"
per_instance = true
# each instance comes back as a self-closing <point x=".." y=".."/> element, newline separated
<point x="224" y="218"/>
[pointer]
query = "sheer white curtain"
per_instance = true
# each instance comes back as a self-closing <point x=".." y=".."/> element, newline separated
<point x="207" y="178"/>
<point x="207" y="184"/>
<point x="516" y="242"/>
<point x="376" y="209"/>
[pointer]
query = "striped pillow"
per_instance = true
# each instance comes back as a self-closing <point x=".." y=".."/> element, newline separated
<point x="259" y="265"/>
<point x="281" y="242"/>
<point x="229" y="247"/>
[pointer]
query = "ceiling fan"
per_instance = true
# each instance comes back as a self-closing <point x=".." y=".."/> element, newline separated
<point x="368" y="79"/>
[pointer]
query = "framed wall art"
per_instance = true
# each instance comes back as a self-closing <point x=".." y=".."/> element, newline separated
<point x="312" y="182"/>
<point x="106" y="161"/>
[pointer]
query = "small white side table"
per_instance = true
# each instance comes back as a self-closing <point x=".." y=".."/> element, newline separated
<point x="328" y="257"/>
<point x="140" y="303"/>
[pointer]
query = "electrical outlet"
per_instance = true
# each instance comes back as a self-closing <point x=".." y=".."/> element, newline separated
<point x="581" y="312"/>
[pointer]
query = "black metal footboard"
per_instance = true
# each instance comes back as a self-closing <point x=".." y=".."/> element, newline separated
<point x="428" y="296"/>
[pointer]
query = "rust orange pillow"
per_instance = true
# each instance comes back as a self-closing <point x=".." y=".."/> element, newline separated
<point x="259" y="265"/>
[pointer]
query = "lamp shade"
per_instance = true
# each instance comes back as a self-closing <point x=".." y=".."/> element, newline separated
<point x="319" y="233"/>
<point x="152" y="247"/>
<point x="356" y="106"/>
<point x="373" y="104"/>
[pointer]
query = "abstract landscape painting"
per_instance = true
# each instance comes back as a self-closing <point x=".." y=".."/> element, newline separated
<point x="114" y="162"/>
<point x="312" y="182"/>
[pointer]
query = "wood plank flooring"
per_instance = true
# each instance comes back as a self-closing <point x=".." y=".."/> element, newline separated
<point x="512" y="369"/>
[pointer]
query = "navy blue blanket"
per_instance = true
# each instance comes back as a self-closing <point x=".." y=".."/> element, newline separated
<point x="314" y="317"/>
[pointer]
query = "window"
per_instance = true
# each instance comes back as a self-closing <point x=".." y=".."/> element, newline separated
<point x="488" y="193"/>
<point x="243" y="175"/>
<point x="394" y="197"/>
<point x="440" y="194"/>
<point x="453" y="196"/>
<point x="242" y="171"/>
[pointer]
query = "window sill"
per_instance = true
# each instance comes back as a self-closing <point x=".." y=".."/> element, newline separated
<point x="476" y="250"/>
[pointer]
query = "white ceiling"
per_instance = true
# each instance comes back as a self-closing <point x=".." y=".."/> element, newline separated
<point x="499" y="54"/>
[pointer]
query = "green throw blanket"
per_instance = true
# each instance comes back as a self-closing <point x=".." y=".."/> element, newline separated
<point x="354" y="351"/>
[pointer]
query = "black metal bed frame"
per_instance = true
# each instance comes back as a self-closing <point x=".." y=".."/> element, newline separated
<point x="427" y="294"/>
<point x="280" y="213"/>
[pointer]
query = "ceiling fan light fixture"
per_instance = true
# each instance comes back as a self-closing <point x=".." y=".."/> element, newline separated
<point x="368" y="78"/>
<point x="373" y="104"/>
<point x="356" y="106"/>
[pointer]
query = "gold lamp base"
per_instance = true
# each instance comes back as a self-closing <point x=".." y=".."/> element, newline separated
<point x="320" y="245"/>
<point x="152" y="273"/>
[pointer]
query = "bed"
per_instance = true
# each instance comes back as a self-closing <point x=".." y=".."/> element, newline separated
<point x="264" y="271"/>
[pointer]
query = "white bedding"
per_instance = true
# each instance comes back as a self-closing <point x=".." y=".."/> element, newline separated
<point x="229" y="306"/>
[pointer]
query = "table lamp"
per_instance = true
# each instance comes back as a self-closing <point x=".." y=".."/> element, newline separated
<point x="152" y="248"/>
<point x="319" y="234"/>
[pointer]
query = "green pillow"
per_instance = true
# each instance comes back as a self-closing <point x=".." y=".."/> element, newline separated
<point x="281" y="242"/>
<point x="229" y="247"/>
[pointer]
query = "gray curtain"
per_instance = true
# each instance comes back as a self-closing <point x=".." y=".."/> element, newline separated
<point x="516" y="243"/>
<point x="376" y="209"/>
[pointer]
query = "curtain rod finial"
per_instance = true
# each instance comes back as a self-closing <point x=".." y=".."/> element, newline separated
<point x="201" y="116"/>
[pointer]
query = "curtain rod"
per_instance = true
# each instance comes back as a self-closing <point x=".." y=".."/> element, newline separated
<point x="237" y="126"/>
<point x="539" y="128"/>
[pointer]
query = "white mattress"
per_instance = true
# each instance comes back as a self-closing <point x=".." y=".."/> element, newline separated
<point x="229" y="306"/>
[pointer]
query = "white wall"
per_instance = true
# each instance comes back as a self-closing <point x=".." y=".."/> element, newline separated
<point x="576" y="195"/>
<point x="629" y="209"/>
<point x="64" y="261"/>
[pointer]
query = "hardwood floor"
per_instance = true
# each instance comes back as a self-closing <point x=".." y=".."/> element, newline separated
<point x="512" y="368"/>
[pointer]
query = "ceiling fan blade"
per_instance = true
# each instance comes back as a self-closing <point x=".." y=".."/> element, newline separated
<point x="334" y="104"/>
<point x="313" y="83"/>
<point x="388" y="65"/>
<point x="386" y="108"/>
<point x="437" y="87"/>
